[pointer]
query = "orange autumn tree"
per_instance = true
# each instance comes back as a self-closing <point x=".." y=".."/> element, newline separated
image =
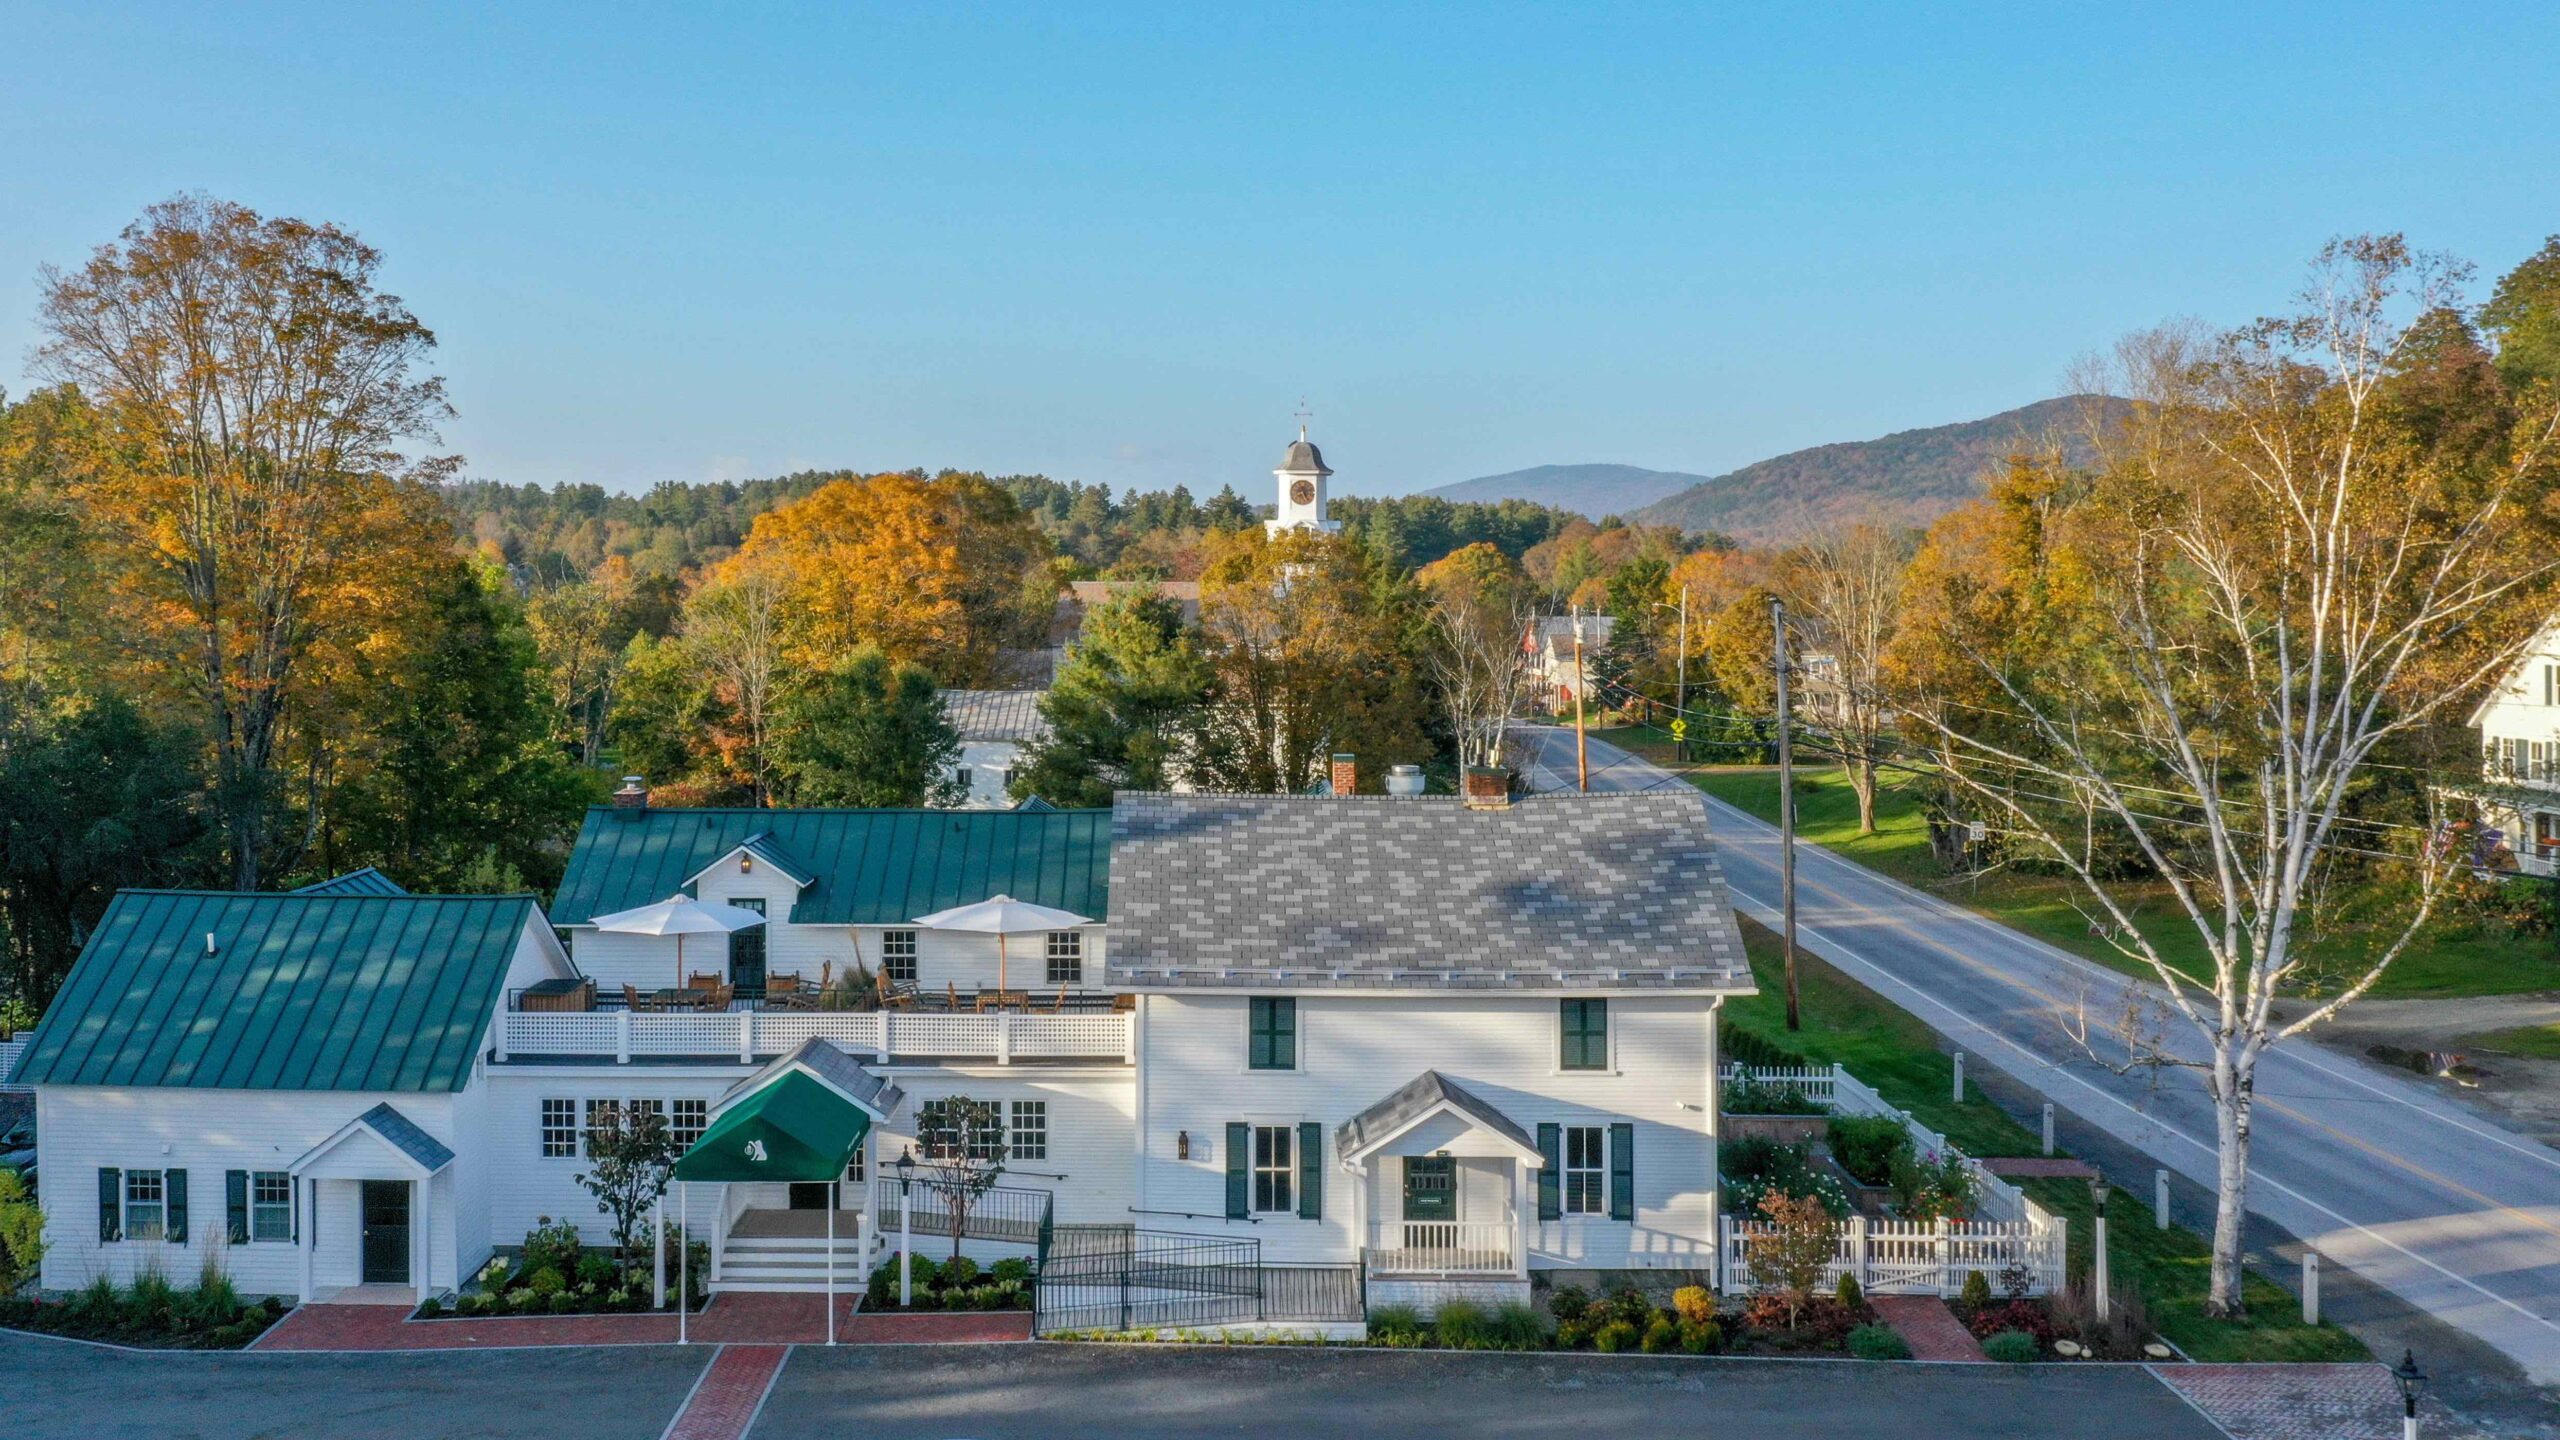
<point x="946" y="573"/>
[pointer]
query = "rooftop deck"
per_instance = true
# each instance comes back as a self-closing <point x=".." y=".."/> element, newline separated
<point x="749" y="1035"/>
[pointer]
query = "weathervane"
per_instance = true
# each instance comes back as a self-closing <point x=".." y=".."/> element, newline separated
<point x="1304" y="415"/>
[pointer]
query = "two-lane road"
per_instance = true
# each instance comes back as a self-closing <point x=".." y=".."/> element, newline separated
<point x="2451" y="1212"/>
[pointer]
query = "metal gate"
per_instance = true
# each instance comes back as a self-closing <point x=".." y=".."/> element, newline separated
<point x="1120" y="1278"/>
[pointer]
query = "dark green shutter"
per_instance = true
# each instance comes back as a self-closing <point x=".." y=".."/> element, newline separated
<point x="235" y="1202"/>
<point x="1239" y="1172"/>
<point x="1310" y="1171"/>
<point x="1551" y="1175"/>
<point x="293" y="1192"/>
<point x="176" y="1180"/>
<point x="1622" y="1172"/>
<point x="110" y="1204"/>
<point x="1284" y="1034"/>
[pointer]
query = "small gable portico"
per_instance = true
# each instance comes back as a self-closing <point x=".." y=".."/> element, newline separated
<point x="379" y="1204"/>
<point x="1444" y="1177"/>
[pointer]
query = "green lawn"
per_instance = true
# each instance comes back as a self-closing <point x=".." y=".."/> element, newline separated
<point x="1846" y="1023"/>
<point x="2538" y="1042"/>
<point x="2448" y="961"/>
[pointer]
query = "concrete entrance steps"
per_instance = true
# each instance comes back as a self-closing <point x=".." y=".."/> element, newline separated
<point x="786" y="1263"/>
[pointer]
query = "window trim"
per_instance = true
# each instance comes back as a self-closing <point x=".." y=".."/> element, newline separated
<point x="1253" y="1035"/>
<point x="125" y="1205"/>
<point x="1275" y="1178"/>
<point x="1065" y="946"/>
<point x="1597" y="1171"/>
<point x="271" y="1207"/>
<point x="1608" y="1037"/>
<point x="910" y="953"/>
<point x="1017" y="1134"/>
<point x="544" y="1129"/>
<point x="676" y="1128"/>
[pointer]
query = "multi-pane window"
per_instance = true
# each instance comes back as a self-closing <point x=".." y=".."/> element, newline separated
<point x="691" y="1117"/>
<point x="270" y="1205"/>
<point x="559" y="1129"/>
<point x="1271" y="1033"/>
<point x="146" y="1205"/>
<point x="1066" y="957"/>
<point x="898" y="956"/>
<point x="1586" y="1170"/>
<point x="939" y="1128"/>
<point x="853" y="1165"/>
<point x="1274" y="1167"/>
<point x="1030" y="1129"/>
<point x="600" y="1113"/>
<point x="1585" y="1041"/>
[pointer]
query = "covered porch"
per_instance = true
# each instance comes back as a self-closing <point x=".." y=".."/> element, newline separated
<point x="1445" y="1183"/>
<point x="377" y="1212"/>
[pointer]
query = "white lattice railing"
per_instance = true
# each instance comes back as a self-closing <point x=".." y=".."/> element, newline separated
<point x="11" y="1052"/>
<point x="1443" y="1246"/>
<point x="749" y="1035"/>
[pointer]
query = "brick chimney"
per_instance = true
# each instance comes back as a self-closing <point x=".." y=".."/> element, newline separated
<point x="1487" y="787"/>
<point x="634" y="794"/>
<point x="1346" y="775"/>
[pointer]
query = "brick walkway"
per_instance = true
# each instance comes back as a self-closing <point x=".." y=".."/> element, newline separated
<point x="2291" y="1402"/>
<point x="739" y="1319"/>
<point x="731" y="1392"/>
<point x="1932" y="1330"/>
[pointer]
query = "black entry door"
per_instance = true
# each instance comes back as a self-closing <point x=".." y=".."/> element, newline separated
<point x="808" y="1195"/>
<point x="386" y="1232"/>
<point x="1430" y="1188"/>
<point x="746" y="955"/>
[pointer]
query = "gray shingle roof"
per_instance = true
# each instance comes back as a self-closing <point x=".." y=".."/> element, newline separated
<point x="1281" y="892"/>
<point x="1303" y="459"/>
<point x="402" y="1134"/>
<point x="1416" y="1098"/>
<point x="995" y="714"/>
<point x="830" y="1063"/>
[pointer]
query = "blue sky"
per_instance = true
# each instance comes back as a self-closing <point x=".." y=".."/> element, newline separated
<point x="1118" y="244"/>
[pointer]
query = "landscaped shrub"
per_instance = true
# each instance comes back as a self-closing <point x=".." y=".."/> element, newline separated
<point x="2012" y="1347"/>
<point x="1820" y="1323"/>
<point x="150" y="1312"/>
<point x="1662" y="1336"/>
<point x="1613" y="1337"/>
<point x="1693" y="1304"/>
<point x="883" y="1287"/>
<point x="1514" y="1325"/>
<point x="596" y="1270"/>
<point x="1629" y="1304"/>
<point x="1976" y="1292"/>
<point x="545" y="1282"/>
<point x="1746" y="1047"/>
<point x="1702" y="1337"/>
<point x="563" y="1303"/>
<point x="552" y="1245"/>
<point x="1878" y="1342"/>
<point x="1393" y="1320"/>
<point x="1866" y="1144"/>
<point x="1751" y="1097"/>
<point x="2025" y="1315"/>
<point x="1462" y="1325"/>
<point x="1574" y="1334"/>
<point x="1848" y="1293"/>
<point x="431" y="1309"/>
<point x="1755" y="1167"/>
<point x="959" y="1270"/>
<point x="1925" y="1190"/>
<point x="1568" y="1302"/>
<point x="1014" y="1271"/>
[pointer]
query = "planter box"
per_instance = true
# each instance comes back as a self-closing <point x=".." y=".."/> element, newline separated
<point x="1785" y="1129"/>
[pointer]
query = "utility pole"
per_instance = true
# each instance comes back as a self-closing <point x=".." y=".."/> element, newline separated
<point x="1786" y="807"/>
<point x="1680" y="706"/>
<point x="1581" y="736"/>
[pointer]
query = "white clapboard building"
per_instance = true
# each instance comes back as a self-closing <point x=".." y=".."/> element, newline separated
<point x="1396" y="1046"/>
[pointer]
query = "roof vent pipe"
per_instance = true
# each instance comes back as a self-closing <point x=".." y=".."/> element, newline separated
<point x="209" y="946"/>
<point x="1404" y="780"/>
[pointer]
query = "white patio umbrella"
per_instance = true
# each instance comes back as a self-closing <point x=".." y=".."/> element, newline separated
<point x="678" y="915"/>
<point x="1000" y="917"/>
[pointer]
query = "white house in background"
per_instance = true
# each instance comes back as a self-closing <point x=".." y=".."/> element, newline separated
<point x="2519" y="725"/>
<point x="1550" y="646"/>
<point x="1429" y="1045"/>
<point x="994" y="725"/>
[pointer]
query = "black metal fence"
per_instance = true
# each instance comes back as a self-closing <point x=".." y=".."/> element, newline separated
<point x="1122" y="1278"/>
<point x="1012" y="1214"/>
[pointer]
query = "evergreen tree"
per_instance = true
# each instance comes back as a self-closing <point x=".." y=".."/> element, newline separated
<point x="867" y="732"/>
<point x="1124" y="699"/>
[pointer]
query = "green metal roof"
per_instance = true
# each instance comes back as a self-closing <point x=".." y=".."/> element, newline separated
<point x="872" y="867"/>
<point x="300" y="992"/>
<point x="367" y="881"/>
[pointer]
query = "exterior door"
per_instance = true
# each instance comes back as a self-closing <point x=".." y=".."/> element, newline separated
<point x="746" y="955"/>
<point x="386" y="1232"/>
<point x="1430" y="1188"/>
<point x="809" y="1195"/>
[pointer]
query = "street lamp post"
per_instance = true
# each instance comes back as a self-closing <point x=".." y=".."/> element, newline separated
<point x="2098" y="1269"/>
<point x="906" y="1227"/>
<point x="2412" y="1382"/>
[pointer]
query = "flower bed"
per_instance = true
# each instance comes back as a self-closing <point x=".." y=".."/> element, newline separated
<point x="953" y="1284"/>
<point x="150" y="1312"/>
<point x="556" y="1274"/>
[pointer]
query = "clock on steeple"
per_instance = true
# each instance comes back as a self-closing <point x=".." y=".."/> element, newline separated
<point x="1302" y="475"/>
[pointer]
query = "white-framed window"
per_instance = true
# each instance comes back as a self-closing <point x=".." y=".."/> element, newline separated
<point x="1275" y="1168"/>
<point x="559" y="1129"/>
<point x="1586" y="1170"/>
<point x="270" y="1205"/>
<point x="597" y="1110"/>
<point x="146" y="1205"/>
<point x="1030" y="1130"/>
<point x="689" y="1120"/>
<point x="898" y="956"/>
<point x="853" y="1166"/>
<point x="986" y="1136"/>
<point x="1066" y="957"/>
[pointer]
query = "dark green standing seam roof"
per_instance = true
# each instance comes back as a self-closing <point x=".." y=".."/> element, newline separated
<point x="871" y="867"/>
<point x="367" y="881"/>
<point x="301" y="992"/>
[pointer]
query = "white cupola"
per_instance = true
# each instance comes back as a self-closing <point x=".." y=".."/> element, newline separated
<point x="1302" y="476"/>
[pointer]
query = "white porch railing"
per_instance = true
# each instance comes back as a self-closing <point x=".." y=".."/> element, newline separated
<point x="1895" y="1257"/>
<point x="751" y="1035"/>
<point x="1444" y="1246"/>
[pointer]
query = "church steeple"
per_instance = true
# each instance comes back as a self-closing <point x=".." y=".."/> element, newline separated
<point x="1302" y="475"/>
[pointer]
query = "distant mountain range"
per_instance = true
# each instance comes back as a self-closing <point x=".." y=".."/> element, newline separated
<point x="1910" y="477"/>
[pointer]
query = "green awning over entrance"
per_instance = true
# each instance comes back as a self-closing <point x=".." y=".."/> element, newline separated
<point x="794" y="1127"/>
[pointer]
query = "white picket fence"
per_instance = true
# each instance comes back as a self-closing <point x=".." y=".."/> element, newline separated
<point x="1893" y="1257"/>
